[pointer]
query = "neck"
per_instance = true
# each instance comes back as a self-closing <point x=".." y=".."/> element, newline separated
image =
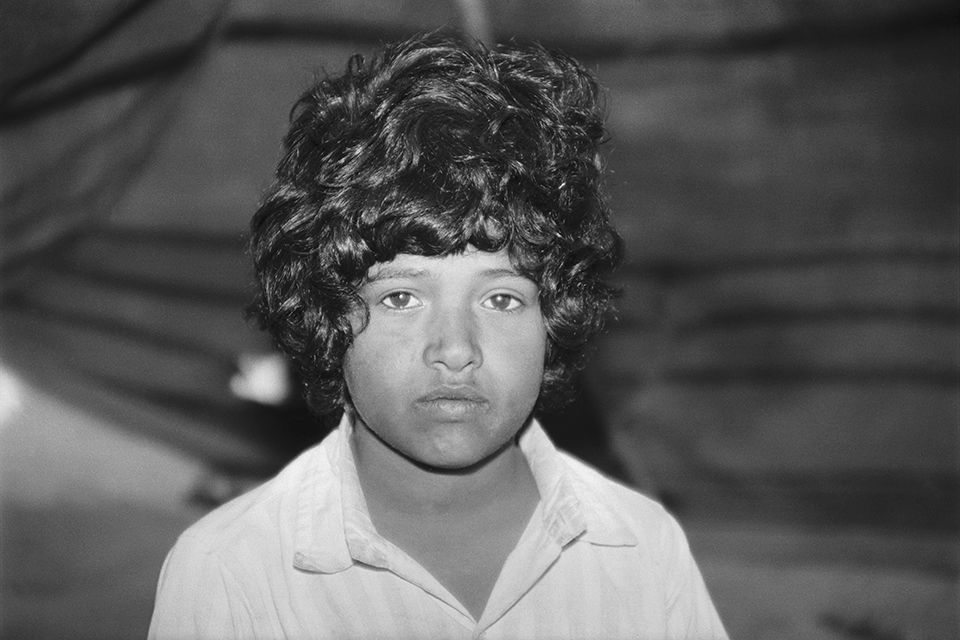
<point x="391" y="482"/>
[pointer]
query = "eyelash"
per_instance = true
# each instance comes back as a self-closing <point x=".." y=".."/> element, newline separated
<point x="393" y="294"/>
<point x="515" y="303"/>
<point x="513" y="298"/>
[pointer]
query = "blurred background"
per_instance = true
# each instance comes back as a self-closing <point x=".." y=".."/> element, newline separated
<point x="783" y="373"/>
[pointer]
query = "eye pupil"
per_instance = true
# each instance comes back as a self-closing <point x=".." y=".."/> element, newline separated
<point x="501" y="301"/>
<point x="399" y="299"/>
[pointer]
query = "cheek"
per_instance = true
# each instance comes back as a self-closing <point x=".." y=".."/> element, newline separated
<point x="522" y="353"/>
<point x="358" y="369"/>
<point x="372" y="367"/>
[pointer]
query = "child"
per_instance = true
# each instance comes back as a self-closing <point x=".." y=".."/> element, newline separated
<point x="431" y="255"/>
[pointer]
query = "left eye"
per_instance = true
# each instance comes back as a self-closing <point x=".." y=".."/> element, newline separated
<point x="502" y="302"/>
<point x="399" y="300"/>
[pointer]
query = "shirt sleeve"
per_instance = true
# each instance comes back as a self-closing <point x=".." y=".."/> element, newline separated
<point x="690" y="611"/>
<point x="198" y="598"/>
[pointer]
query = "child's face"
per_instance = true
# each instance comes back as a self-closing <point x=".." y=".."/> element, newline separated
<point x="449" y="366"/>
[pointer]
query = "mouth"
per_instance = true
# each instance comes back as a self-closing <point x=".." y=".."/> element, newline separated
<point x="448" y="403"/>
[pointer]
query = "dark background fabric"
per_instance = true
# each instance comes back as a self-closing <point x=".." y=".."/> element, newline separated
<point x="785" y="175"/>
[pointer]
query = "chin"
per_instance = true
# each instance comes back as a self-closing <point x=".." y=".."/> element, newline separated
<point x="462" y="456"/>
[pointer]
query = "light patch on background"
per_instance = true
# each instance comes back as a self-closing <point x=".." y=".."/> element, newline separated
<point x="10" y="396"/>
<point x="262" y="378"/>
<point x="52" y="452"/>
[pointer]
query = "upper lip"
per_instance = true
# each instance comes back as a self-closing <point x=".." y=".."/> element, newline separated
<point x="468" y="394"/>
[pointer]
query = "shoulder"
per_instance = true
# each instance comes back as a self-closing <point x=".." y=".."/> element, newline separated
<point x="261" y="517"/>
<point x="216" y="577"/>
<point x="660" y="544"/>
<point x="632" y="509"/>
<point x="609" y="491"/>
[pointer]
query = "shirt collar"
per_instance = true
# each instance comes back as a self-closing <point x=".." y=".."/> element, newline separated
<point x="574" y="505"/>
<point x="319" y="540"/>
<point x="334" y="528"/>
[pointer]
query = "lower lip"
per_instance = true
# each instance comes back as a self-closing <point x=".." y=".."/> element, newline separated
<point x="452" y="408"/>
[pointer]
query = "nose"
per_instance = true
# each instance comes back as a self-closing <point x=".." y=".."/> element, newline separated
<point x="453" y="343"/>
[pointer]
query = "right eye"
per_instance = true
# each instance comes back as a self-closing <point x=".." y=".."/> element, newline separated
<point x="400" y="300"/>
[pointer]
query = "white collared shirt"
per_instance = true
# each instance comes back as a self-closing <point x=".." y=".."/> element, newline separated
<point x="298" y="557"/>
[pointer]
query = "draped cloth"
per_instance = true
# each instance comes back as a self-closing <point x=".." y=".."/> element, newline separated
<point x="142" y="326"/>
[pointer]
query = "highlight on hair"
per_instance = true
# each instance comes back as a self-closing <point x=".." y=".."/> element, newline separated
<point x="432" y="145"/>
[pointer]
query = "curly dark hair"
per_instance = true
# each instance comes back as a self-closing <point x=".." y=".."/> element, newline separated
<point x="433" y="145"/>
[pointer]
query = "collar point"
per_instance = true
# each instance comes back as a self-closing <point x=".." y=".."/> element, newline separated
<point x="314" y="564"/>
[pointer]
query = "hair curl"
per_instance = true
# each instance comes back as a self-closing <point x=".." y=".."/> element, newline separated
<point x="429" y="147"/>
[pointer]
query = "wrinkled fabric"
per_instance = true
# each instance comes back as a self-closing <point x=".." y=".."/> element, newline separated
<point x="298" y="557"/>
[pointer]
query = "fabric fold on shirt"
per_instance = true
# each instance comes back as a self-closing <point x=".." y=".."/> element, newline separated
<point x="299" y="557"/>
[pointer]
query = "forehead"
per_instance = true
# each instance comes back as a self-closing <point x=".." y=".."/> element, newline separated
<point x="471" y="264"/>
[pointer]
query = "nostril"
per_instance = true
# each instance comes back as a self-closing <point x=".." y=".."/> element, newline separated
<point x="454" y="347"/>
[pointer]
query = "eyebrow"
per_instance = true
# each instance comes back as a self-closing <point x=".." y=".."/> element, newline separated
<point x="400" y="273"/>
<point x="502" y="273"/>
<point x="397" y="273"/>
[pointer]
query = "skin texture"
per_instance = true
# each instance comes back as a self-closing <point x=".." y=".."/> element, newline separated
<point x="449" y="366"/>
<point x="442" y="378"/>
